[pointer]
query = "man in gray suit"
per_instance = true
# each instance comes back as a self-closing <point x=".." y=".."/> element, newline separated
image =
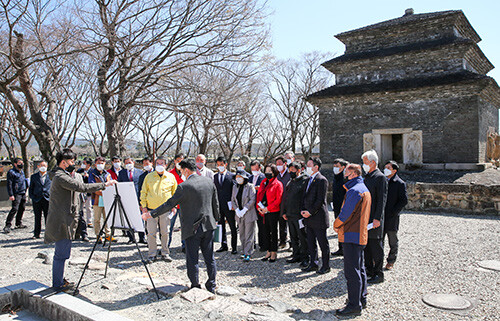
<point x="197" y="197"/>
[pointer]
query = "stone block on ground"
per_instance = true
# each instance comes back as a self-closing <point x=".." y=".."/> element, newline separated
<point x="227" y="291"/>
<point x="282" y="307"/>
<point x="251" y="299"/>
<point x="196" y="295"/>
<point x="227" y="307"/>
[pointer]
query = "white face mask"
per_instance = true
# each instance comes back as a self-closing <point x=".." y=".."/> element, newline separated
<point x="280" y="167"/>
<point x="178" y="166"/>
<point x="387" y="172"/>
<point x="288" y="161"/>
<point x="183" y="177"/>
<point x="83" y="166"/>
<point x="240" y="168"/>
<point x="366" y="168"/>
<point x="200" y="165"/>
<point x="240" y="180"/>
<point x="336" y="170"/>
<point x="43" y="169"/>
<point x="129" y="166"/>
<point x="309" y="171"/>
<point x="100" y="167"/>
<point x="221" y="168"/>
<point x="160" y="168"/>
<point x="255" y="173"/>
<point x="117" y="165"/>
<point x="148" y="167"/>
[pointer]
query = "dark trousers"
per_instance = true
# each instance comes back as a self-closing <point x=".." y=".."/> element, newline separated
<point x="40" y="208"/>
<point x="270" y="235"/>
<point x="374" y="257"/>
<point x="17" y="210"/>
<point x="229" y="216"/>
<point x="298" y="238"/>
<point x="61" y="254"/>
<point x="81" y="228"/>
<point x="318" y="234"/>
<point x="260" y="231"/>
<point x="340" y="243"/>
<point x="204" y="241"/>
<point x="355" y="274"/>
<point x="283" y="231"/>
<point x="393" y="244"/>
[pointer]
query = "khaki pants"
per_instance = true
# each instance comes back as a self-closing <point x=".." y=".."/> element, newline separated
<point x="152" y="226"/>
<point x="88" y="209"/>
<point x="99" y="213"/>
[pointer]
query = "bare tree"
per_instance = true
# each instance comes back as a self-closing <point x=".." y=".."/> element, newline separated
<point x="292" y="81"/>
<point x="142" y="42"/>
<point x="34" y="54"/>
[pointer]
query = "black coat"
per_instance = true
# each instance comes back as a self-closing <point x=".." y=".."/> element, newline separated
<point x="338" y="192"/>
<point x="397" y="198"/>
<point x="315" y="203"/>
<point x="224" y="191"/>
<point x="376" y="182"/>
<point x="291" y="203"/>
<point x="37" y="189"/>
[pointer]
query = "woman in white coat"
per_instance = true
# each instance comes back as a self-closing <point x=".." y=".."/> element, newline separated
<point x="243" y="203"/>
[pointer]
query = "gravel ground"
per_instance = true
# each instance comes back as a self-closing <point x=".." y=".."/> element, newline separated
<point x="438" y="254"/>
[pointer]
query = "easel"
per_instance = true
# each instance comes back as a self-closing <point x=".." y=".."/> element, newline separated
<point x="117" y="206"/>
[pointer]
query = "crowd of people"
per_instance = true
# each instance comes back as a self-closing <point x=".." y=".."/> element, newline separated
<point x="270" y="207"/>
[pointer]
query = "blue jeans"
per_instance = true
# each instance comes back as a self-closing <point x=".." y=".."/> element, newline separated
<point x="172" y="223"/>
<point x="61" y="254"/>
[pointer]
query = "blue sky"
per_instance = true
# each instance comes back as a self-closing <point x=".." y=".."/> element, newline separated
<point x="300" y="26"/>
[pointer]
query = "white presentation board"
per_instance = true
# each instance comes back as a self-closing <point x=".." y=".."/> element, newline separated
<point x="128" y="197"/>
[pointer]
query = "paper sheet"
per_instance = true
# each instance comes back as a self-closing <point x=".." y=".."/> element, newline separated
<point x="301" y="223"/>
<point x="230" y="206"/>
<point x="261" y="205"/>
<point x="370" y="226"/>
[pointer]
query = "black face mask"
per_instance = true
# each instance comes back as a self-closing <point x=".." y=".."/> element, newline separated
<point x="269" y="175"/>
<point x="293" y="175"/>
<point x="20" y="166"/>
<point x="70" y="168"/>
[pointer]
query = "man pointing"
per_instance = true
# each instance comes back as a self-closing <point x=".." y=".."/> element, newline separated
<point x="197" y="198"/>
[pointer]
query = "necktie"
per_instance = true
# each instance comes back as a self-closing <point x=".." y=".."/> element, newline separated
<point x="221" y="178"/>
<point x="130" y="176"/>
<point x="309" y="184"/>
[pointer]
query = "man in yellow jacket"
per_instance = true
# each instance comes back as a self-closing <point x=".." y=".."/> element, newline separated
<point x="158" y="187"/>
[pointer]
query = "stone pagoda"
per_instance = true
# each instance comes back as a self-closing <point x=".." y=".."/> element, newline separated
<point x="414" y="89"/>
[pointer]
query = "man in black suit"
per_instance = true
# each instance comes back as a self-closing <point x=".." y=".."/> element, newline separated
<point x="197" y="197"/>
<point x="376" y="182"/>
<point x="224" y="181"/>
<point x="397" y="198"/>
<point x="316" y="217"/>
<point x="256" y="179"/>
<point x="338" y="192"/>
<point x="39" y="192"/>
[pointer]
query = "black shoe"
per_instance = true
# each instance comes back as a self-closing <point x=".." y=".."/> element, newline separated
<point x="36" y="237"/>
<point x="222" y="249"/>
<point x="304" y="263"/>
<point x="234" y="252"/>
<point x="195" y="286"/>
<point x="21" y="226"/>
<point x="376" y="279"/>
<point x="363" y="303"/>
<point x="272" y="260"/>
<point x="338" y="253"/>
<point x="348" y="311"/>
<point x="293" y="260"/>
<point x="7" y="229"/>
<point x="323" y="271"/>
<point x="310" y="268"/>
<point x="85" y="239"/>
<point x="142" y="241"/>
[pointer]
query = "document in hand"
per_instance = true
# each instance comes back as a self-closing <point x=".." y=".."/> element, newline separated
<point x="261" y="205"/>
<point x="230" y="206"/>
<point x="301" y="223"/>
<point x="370" y="226"/>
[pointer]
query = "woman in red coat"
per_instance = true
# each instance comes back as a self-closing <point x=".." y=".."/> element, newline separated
<point x="268" y="205"/>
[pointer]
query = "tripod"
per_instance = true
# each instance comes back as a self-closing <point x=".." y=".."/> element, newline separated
<point x="117" y="206"/>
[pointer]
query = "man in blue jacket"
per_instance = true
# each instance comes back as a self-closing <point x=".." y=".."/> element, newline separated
<point x="16" y="187"/>
<point x="132" y="174"/>
<point x="39" y="192"/>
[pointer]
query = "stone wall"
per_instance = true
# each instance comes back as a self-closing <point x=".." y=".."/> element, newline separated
<point x="465" y="198"/>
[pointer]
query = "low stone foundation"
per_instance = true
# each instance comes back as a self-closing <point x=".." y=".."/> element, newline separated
<point x="465" y="198"/>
